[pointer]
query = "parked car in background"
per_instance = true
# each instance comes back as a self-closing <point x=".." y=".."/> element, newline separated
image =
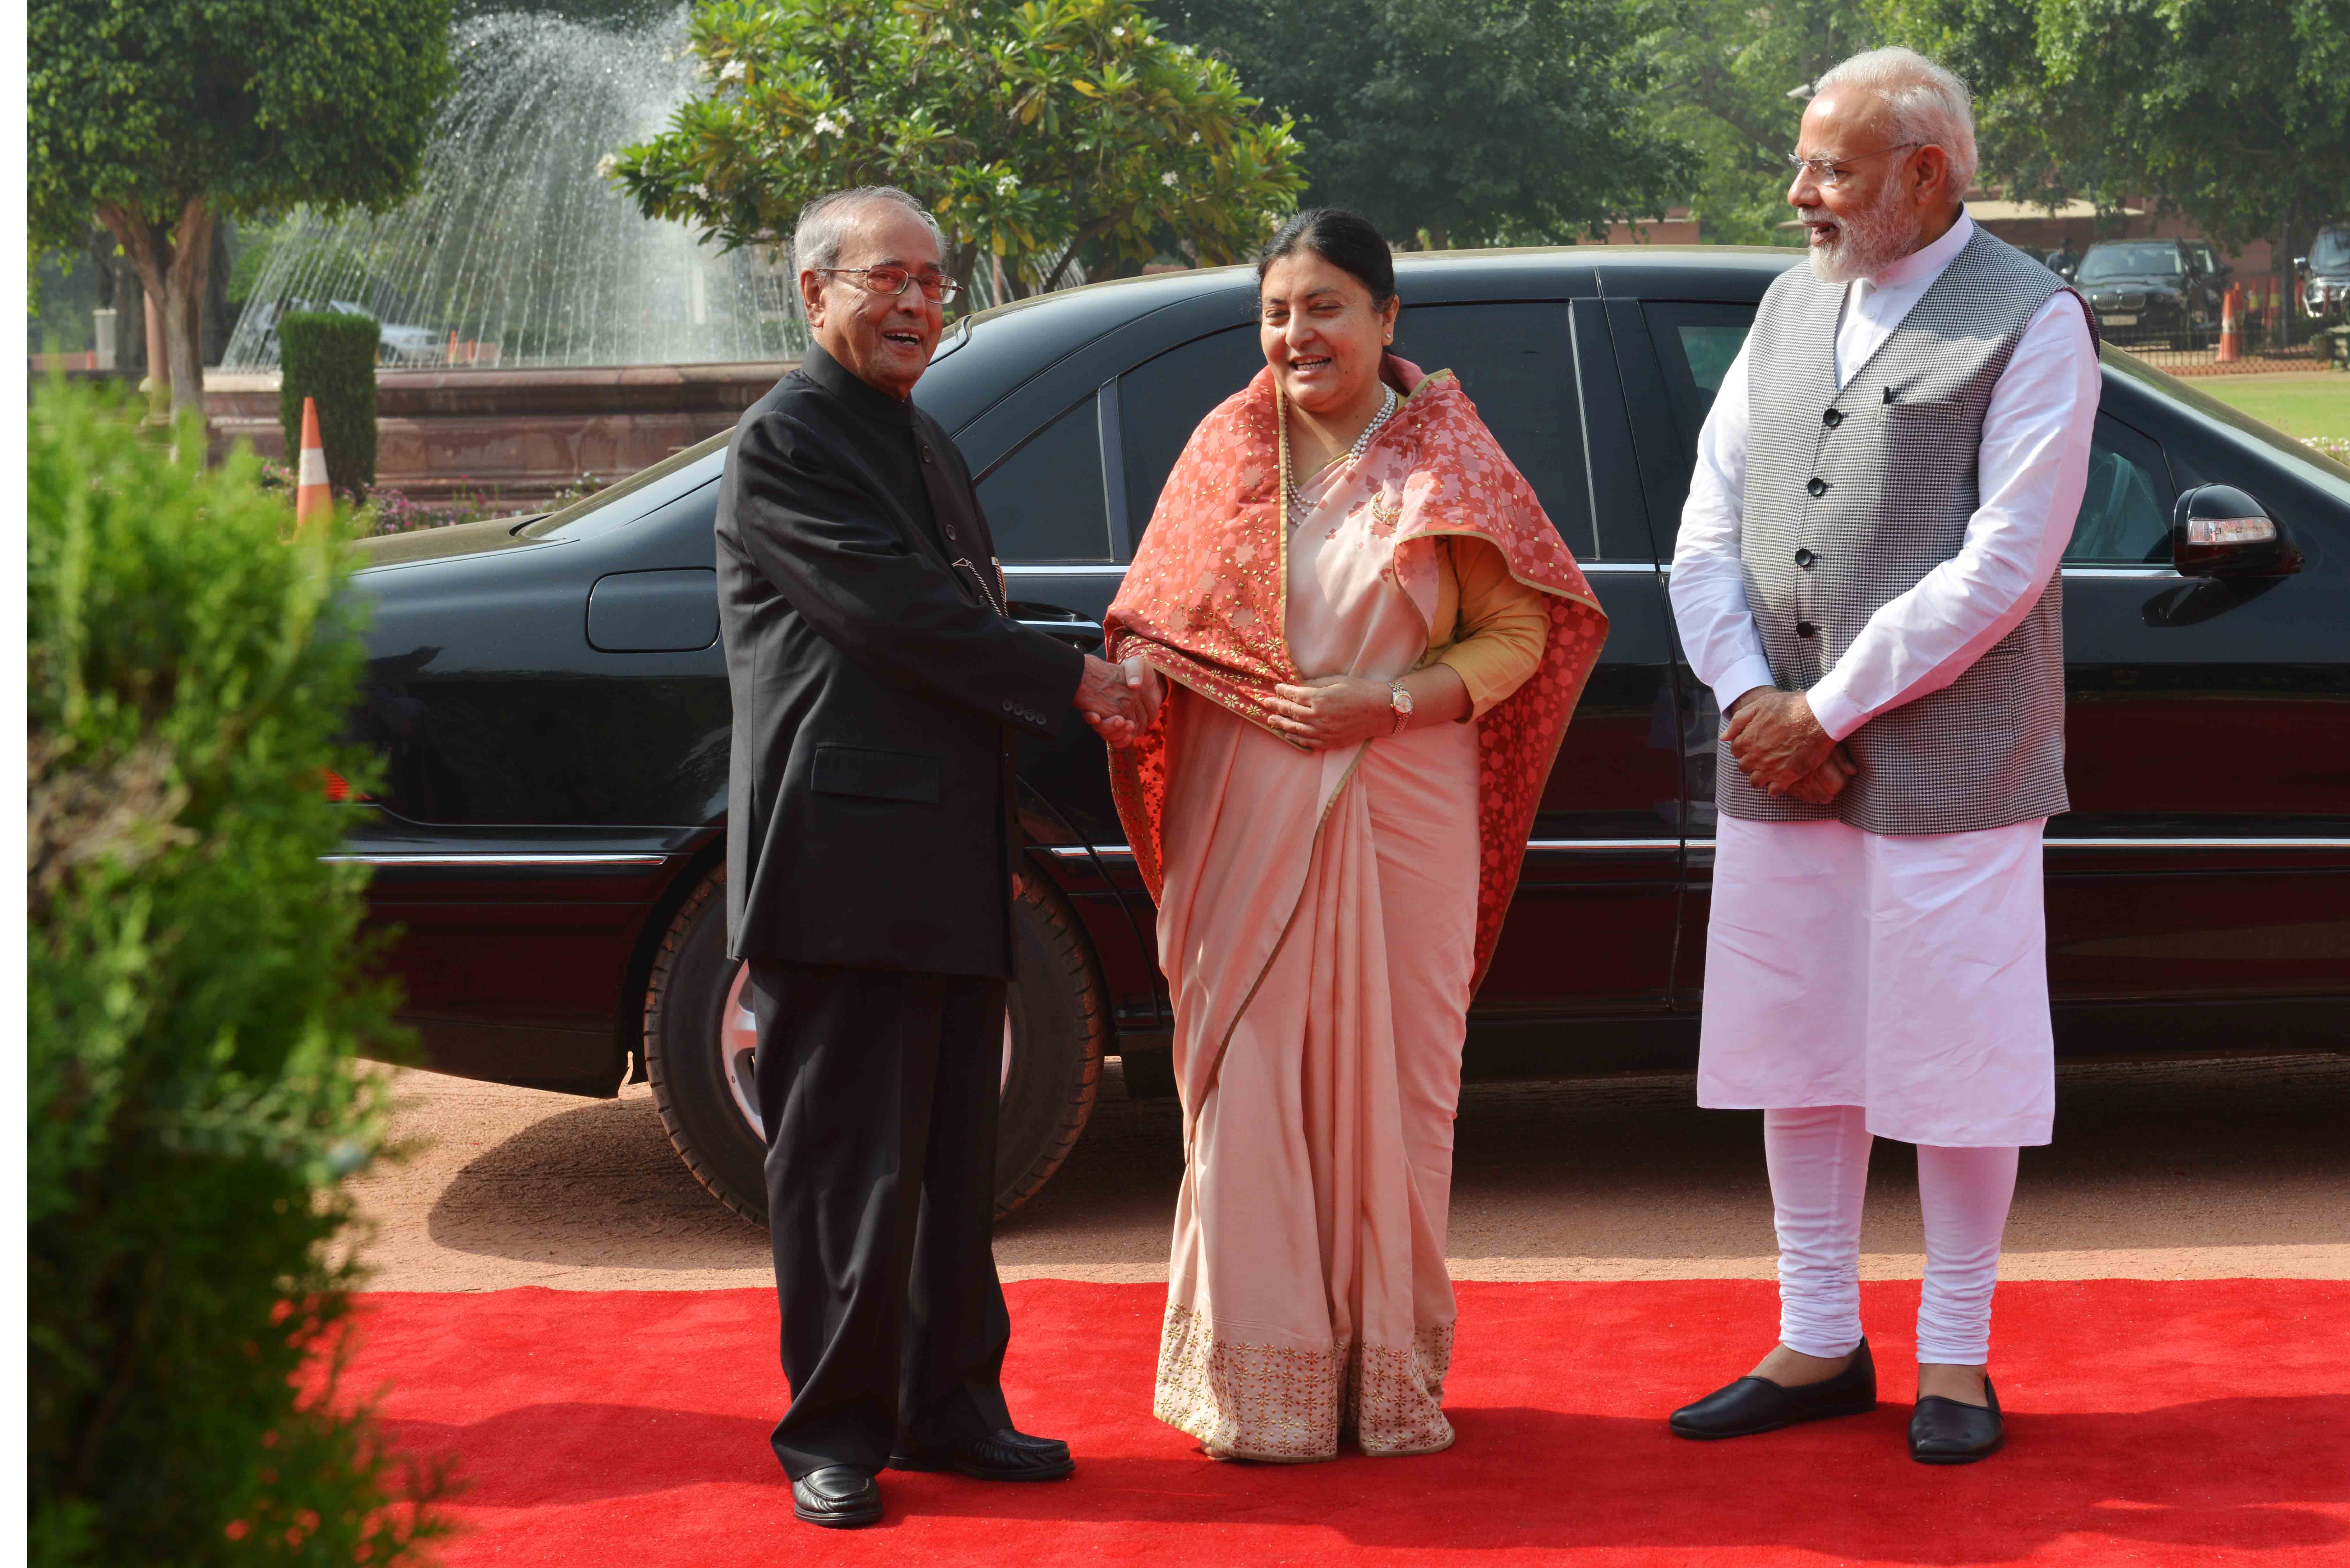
<point x="2326" y="275"/>
<point x="2150" y="292"/>
<point x="551" y="705"/>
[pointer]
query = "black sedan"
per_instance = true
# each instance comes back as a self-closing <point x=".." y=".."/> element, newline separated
<point x="550" y="701"/>
<point x="2155" y="291"/>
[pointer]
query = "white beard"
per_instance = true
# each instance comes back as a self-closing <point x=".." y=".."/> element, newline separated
<point x="1867" y="243"/>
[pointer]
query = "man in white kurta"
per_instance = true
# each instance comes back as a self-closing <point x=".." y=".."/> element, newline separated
<point x="1863" y="983"/>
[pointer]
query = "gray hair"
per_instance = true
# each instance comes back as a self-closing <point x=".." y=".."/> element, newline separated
<point x="816" y="239"/>
<point x="1929" y="104"/>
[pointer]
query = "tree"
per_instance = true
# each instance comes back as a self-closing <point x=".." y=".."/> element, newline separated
<point x="158" y="116"/>
<point x="1724" y="71"/>
<point x="1476" y="121"/>
<point x="1042" y="132"/>
<point x="2234" y="113"/>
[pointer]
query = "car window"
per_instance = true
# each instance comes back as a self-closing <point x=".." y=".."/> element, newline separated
<point x="2105" y="261"/>
<point x="1697" y="343"/>
<point x="2329" y="252"/>
<point x="1511" y="360"/>
<point x="601" y="512"/>
<point x="2125" y="517"/>
<point x="1044" y="501"/>
<point x="1162" y="401"/>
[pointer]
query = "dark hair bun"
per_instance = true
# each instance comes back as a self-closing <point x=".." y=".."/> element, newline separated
<point x="1348" y="241"/>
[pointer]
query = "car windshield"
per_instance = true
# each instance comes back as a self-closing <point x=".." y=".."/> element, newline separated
<point x="2130" y="261"/>
<point x="2307" y="461"/>
<point x="2330" y="252"/>
<point x="581" y="514"/>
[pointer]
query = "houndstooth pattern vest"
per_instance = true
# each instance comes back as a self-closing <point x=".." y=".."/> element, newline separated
<point x="1853" y="495"/>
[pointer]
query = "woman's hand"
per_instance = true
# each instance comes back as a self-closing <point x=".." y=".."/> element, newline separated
<point x="1335" y="712"/>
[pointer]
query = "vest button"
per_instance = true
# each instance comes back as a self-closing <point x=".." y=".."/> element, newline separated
<point x="1833" y="417"/>
<point x="1804" y="559"/>
<point x="1805" y="629"/>
<point x="1817" y="486"/>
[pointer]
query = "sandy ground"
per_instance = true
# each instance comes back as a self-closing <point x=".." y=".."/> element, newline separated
<point x="2173" y="1171"/>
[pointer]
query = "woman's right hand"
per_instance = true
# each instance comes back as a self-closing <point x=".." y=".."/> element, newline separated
<point x="1148" y="689"/>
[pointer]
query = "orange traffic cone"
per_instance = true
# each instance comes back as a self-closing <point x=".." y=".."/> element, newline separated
<point x="2230" y="346"/>
<point x="311" y="496"/>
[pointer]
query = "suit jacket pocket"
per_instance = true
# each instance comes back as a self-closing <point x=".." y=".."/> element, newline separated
<point x="878" y="776"/>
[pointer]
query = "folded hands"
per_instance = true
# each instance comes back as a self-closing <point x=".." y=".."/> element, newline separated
<point x="1779" y="744"/>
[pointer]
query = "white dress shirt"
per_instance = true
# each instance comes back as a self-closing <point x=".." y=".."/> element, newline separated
<point x="2033" y="469"/>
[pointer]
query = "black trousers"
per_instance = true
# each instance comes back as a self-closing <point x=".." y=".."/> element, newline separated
<point x="878" y="1092"/>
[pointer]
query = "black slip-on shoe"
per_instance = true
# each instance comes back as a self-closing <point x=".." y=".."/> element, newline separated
<point x="838" y="1496"/>
<point x="1003" y="1455"/>
<point x="1945" y="1432"/>
<point x="1755" y="1405"/>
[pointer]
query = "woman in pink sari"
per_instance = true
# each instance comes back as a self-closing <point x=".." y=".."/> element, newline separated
<point x="1369" y="640"/>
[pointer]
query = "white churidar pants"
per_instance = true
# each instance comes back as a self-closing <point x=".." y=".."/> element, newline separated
<point x="1862" y="985"/>
<point x="1819" y="1170"/>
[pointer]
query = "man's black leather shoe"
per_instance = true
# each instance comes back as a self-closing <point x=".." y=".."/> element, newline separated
<point x="1003" y="1456"/>
<point x="838" y="1497"/>
<point x="1755" y="1405"/>
<point x="1945" y="1432"/>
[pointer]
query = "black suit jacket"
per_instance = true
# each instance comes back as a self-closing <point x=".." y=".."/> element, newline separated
<point x="877" y="682"/>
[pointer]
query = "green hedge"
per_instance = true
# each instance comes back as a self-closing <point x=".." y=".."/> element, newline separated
<point x="331" y="356"/>
<point x="198" y="987"/>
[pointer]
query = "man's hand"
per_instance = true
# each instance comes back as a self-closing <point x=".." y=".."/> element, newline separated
<point x="1777" y="742"/>
<point x="1113" y="699"/>
<point x="1828" y="780"/>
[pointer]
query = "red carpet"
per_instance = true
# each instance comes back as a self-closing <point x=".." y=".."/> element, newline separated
<point x="2149" y="1423"/>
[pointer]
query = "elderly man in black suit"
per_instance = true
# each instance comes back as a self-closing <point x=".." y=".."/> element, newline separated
<point x="877" y="685"/>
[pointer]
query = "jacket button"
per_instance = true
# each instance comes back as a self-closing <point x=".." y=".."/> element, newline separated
<point x="1833" y="417"/>
<point x="1805" y="629"/>
<point x="1804" y="559"/>
<point x="1817" y="486"/>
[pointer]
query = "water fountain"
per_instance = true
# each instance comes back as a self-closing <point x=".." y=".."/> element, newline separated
<point x="536" y="325"/>
<point x="515" y="247"/>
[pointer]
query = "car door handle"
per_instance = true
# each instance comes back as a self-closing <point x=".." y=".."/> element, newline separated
<point x="1074" y="630"/>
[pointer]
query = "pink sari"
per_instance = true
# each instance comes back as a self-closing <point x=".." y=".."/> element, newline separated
<point x="1324" y="915"/>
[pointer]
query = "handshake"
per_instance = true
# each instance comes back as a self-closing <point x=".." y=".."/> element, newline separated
<point x="1120" y="701"/>
<point x="1781" y="747"/>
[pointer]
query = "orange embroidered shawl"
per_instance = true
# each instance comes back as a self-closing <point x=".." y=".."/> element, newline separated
<point x="1205" y="599"/>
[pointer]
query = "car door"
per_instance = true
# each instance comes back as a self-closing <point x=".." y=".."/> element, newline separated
<point x="1591" y="932"/>
<point x="2196" y="886"/>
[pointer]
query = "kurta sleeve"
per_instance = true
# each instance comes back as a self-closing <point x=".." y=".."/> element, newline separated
<point x="1502" y="625"/>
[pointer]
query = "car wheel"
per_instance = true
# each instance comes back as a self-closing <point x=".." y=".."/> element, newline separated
<point x="700" y="1038"/>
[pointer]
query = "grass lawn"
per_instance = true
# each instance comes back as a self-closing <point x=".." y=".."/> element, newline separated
<point x="2311" y="407"/>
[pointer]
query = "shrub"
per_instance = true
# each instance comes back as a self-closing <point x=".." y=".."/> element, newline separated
<point x="329" y="355"/>
<point x="197" y="990"/>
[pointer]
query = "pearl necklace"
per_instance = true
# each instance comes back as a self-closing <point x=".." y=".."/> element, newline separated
<point x="1388" y="407"/>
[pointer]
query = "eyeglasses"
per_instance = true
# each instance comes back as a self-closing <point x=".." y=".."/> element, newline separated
<point x="1825" y="169"/>
<point x="891" y="281"/>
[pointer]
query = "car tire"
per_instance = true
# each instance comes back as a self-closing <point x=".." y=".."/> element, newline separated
<point x="697" y="1036"/>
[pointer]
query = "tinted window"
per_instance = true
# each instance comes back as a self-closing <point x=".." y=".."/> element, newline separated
<point x="2130" y="261"/>
<point x="1516" y="363"/>
<point x="1512" y="360"/>
<point x="1697" y="343"/>
<point x="1044" y="501"/>
<point x="1162" y="401"/>
<point x="2125" y="509"/>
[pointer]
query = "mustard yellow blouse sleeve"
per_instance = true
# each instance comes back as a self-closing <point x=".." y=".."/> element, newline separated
<point x="1495" y="641"/>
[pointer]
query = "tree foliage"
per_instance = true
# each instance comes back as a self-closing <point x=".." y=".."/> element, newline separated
<point x="157" y="116"/>
<point x="195" y="998"/>
<point x="1724" y="72"/>
<point x="2235" y="112"/>
<point x="1049" y="133"/>
<point x="1476" y="121"/>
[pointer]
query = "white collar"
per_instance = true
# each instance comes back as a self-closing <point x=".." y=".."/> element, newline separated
<point x="1925" y="264"/>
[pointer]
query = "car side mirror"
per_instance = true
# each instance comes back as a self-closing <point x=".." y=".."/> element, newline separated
<point x="2217" y="531"/>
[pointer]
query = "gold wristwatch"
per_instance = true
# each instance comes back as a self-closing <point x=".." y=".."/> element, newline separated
<point x="1400" y="700"/>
